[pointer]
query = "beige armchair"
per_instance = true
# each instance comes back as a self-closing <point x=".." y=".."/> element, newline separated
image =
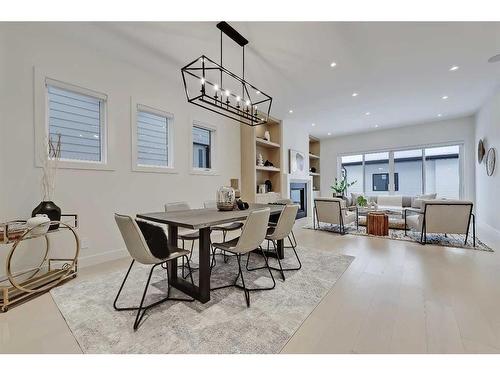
<point x="442" y="216"/>
<point x="333" y="211"/>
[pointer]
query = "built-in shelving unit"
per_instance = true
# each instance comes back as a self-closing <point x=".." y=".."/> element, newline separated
<point x="253" y="143"/>
<point x="314" y="162"/>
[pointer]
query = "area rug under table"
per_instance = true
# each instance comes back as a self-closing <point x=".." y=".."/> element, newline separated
<point x="450" y="240"/>
<point x="223" y="325"/>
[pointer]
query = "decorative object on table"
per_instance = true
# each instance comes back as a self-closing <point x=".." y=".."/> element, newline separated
<point x="377" y="224"/>
<point x="260" y="160"/>
<point x="297" y="162"/>
<point x="203" y="84"/>
<point x="312" y="170"/>
<point x="242" y="205"/>
<point x="35" y="224"/>
<point x="269" y="186"/>
<point x="268" y="164"/>
<point x="267" y="136"/>
<point x="340" y="186"/>
<point x="50" y="272"/>
<point x="480" y="151"/>
<point x="235" y="184"/>
<point x="49" y="162"/>
<point x="490" y="163"/>
<point x="261" y="189"/>
<point x="225" y="198"/>
<point x="361" y="201"/>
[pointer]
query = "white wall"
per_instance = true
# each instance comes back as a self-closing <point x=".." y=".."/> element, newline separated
<point x="488" y="188"/>
<point x="96" y="195"/>
<point x="459" y="130"/>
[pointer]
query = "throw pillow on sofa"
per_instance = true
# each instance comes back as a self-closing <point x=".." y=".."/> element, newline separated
<point x="416" y="202"/>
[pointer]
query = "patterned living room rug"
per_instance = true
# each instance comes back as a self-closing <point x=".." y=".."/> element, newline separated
<point x="223" y="325"/>
<point x="451" y="240"/>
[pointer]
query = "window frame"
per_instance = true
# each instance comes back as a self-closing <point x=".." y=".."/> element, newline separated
<point x="213" y="149"/>
<point x="41" y="123"/>
<point x="137" y="107"/>
<point x="391" y="152"/>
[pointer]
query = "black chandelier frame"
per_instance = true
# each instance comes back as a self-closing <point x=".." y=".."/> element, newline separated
<point x="241" y="107"/>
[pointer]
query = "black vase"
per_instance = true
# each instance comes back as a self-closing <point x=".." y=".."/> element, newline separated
<point x="50" y="209"/>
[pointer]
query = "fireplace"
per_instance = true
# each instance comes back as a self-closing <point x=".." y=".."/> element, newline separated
<point x="298" y="194"/>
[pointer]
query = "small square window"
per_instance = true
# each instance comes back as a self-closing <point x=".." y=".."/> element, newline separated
<point x="202" y="148"/>
<point x="78" y="119"/>
<point x="153" y="138"/>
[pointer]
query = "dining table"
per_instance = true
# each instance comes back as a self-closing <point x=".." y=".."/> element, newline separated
<point x="202" y="220"/>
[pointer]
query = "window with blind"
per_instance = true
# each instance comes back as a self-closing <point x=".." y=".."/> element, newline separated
<point x="77" y="117"/>
<point x="153" y="138"/>
<point x="202" y="148"/>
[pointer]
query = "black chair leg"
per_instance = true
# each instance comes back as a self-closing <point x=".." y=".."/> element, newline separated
<point x="247" y="293"/>
<point x="279" y="261"/>
<point x="141" y="310"/>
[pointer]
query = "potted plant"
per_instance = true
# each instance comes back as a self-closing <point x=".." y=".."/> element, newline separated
<point x="340" y="186"/>
<point x="361" y="201"/>
<point x="49" y="162"/>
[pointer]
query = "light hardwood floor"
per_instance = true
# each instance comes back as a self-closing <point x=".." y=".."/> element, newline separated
<point x="396" y="297"/>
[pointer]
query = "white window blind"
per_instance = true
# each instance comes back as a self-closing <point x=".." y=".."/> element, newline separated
<point x="152" y="138"/>
<point x="202" y="148"/>
<point x="78" y="119"/>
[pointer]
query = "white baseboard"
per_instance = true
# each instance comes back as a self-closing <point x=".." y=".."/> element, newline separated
<point x="106" y="256"/>
<point x="488" y="234"/>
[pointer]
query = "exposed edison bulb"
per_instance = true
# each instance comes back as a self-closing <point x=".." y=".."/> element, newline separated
<point x="247" y="102"/>
<point x="238" y="98"/>
<point x="216" y="87"/>
<point x="227" y="92"/>
<point x="202" y="81"/>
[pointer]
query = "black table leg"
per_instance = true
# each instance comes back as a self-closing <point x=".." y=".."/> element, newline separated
<point x="204" y="271"/>
<point x="201" y="292"/>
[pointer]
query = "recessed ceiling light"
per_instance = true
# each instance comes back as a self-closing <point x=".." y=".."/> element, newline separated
<point x="333" y="64"/>
<point x="290" y="111"/>
<point x="257" y="92"/>
<point x="355" y="94"/>
<point x="440" y="115"/>
<point x="376" y="125"/>
<point x="329" y="133"/>
<point x="367" y="113"/>
<point x="444" y="97"/>
<point x="313" y="124"/>
<point x="454" y="67"/>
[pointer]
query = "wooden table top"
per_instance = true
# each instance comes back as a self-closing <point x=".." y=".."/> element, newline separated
<point x="205" y="217"/>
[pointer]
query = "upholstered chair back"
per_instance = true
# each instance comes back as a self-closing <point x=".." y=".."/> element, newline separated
<point x="328" y="210"/>
<point x="447" y="216"/>
<point x="177" y="206"/>
<point x="134" y="240"/>
<point x="210" y="204"/>
<point x="254" y="231"/>
<point x="285" y="222"/>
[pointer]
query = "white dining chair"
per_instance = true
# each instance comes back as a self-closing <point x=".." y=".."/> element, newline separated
<point x="252" y="235"/>
<point x="281" y="231"/>
<point x="147" y="244"/>
<point x="223" y="228"/>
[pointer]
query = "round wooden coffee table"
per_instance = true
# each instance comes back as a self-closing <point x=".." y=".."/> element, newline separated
<point x="377" y="224"/>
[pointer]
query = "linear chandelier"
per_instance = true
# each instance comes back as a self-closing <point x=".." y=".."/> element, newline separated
<point x="211" y="86"/>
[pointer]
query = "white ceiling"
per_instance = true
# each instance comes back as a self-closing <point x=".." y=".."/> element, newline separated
<point x="400" y="70"/>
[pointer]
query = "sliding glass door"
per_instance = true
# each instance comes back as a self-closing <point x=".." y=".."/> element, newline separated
<point x="442" y="171"/>
<point x="408" y="172"/>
